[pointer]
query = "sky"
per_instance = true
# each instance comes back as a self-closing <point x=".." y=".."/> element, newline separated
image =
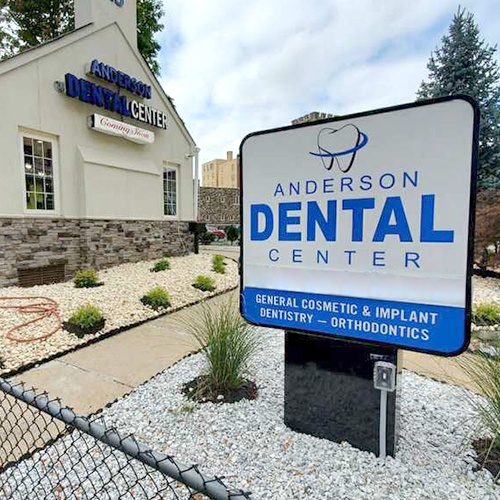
<point x="235" y="67"/>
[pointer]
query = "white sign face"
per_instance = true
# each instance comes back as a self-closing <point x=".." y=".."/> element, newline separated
<point x="359" y="227"/>
<point x="120" y="129"/>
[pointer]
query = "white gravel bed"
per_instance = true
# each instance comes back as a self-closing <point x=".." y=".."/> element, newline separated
<point x="118" y="299"/>
<point x="485" y="290"/>
<point x="248" y="443"/>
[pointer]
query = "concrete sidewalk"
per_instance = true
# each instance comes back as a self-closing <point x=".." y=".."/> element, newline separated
<point x="94" y="376"/>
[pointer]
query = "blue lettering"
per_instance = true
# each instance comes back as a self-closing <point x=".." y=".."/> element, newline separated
<point x="393" y="206"/>
<point x="378" y="259"/>
<point x="313" y="188"/>
<point x="297" y="255"/>
<point x="95" y="68"/>
<point x="328" y="185"/>
<point x="72" y="85"/>
<point x="279" y="190"/>
<point x="294" y="188"/>
<point x="407" y="178"/>
<point x="85" y="91"/>
<point x="366" y="182"/>
<point x="387" y="185"/>
<point x="324" y="257"/>
<point x="349" y="253"/>
<point x="266" y="212"/>
<point x="285" y="220"/>
<point x="427" y="232"/>
<point x="315" y="217"/>
<point x="413" y="258"/>
<point x="358" y="206"/>
<point x="274" y="255"/>
<point x="124" y="105"/>
<point x="97" y="95"/>
<point x="346" y="182"/>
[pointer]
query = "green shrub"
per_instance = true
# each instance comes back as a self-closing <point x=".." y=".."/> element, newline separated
<point x="486" y="314"/>
<point x="227" y="343"/>
<point x="207" y="238"/>
<point x="484" y="372"/>
<point x="85" y="279"/>
<point x="218" y="264"/>
<point x="86" y="317"/>
<point x="156" y="298"/>
<point x="232" y="233"/>
<point x="204" y="283"/>
<point x="161" y="265"/>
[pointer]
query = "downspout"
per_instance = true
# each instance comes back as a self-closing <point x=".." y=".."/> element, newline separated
<point x="196" y="181"/>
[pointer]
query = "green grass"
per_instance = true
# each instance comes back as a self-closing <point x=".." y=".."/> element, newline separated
<point x="204" y="283"/>
<point x="86" y="317"/>
<point x="484" y="372"/>
<point x="156" y="298"/>
<point x="227" y="343"/>
<point x="85" y="279"/>
<point x="218" y="264"/>
<point x="161" y="265"/>
<point x="486" y="314"/>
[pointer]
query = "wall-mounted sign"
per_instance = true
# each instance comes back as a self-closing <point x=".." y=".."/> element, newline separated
<point x="112" y="100"/>
<point x="361" y="227"/>
<point x="116" y="128"/>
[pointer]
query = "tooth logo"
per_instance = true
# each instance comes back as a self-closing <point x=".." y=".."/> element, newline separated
<point x="340" y="146"/>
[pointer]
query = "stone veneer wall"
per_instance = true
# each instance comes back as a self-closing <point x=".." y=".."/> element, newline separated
<point x="82" y="243"/>
<point x="219" y="205"/>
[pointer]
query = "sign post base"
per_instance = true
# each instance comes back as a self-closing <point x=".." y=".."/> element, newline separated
<point x="330" y="393"/>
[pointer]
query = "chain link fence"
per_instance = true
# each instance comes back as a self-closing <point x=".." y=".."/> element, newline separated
<point x="49" y="452"/>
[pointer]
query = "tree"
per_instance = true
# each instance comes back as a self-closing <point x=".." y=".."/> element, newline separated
<point x="233" y="233"/>
<point x="28" y="23"/>
<point x="465" y="64"/>
<point x="149" y="13"/>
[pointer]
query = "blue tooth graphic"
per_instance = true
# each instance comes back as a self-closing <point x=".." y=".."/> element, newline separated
<point x="328" y="158"/>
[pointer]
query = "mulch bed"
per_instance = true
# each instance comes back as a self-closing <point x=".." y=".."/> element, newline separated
<point x="81" y="332"/>
<point x="490" y="462"/>
<point x="199" y="390"/>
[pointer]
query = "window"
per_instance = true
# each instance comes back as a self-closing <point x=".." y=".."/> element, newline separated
<point x="38" y="173"/>
<point x="237" y="199"/>
<point x="170" y="181"/>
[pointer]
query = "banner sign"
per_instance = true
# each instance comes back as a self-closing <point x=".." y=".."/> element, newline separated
<point x="120" y="129"/>
<point x="361" y="227"/>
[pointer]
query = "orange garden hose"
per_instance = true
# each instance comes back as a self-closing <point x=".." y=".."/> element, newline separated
<point x="43" y="306"/>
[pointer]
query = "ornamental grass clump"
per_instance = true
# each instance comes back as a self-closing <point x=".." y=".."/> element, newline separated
<point x="228" y="344"/>
<point x="156" y="298"/>
<point x="87" y="319"/>
<point x="484" y="372"/>
<point x="204" y="283"/>
<point x="161" y="265"/>
<point x="486" y="314"/>
<point x="86" y="279"/>
<point x="218" y="264"/>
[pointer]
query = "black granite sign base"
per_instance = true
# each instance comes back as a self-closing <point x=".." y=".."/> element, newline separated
<point x="329" y="391"/>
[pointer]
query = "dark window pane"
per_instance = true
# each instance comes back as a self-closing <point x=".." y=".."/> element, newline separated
<point x="28" y="145"/>
<point x="49" y="185"/>
<point x="38" y="166"/>
<point x="50" y="202"/>
<point x="38" y="147"/>
<point x="39" y="184"/>
<point x="48" y="166"/>
<point x="47" y="149"/>
<point x="28" y="164"/>
<point x="30" y="183"/>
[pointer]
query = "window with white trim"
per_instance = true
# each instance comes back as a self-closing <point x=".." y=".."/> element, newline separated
<point x="170" y="191"/>
<point x="38" y="164"/>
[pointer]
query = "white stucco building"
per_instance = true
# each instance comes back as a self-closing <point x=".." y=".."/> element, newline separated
<point x="96" y="164"/>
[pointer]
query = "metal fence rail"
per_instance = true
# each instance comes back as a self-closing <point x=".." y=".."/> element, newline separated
<point x="49" y="452"/>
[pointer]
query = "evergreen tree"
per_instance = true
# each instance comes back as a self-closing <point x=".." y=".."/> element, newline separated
<point x="465" y="64"/>
<point x="28" y="23"/>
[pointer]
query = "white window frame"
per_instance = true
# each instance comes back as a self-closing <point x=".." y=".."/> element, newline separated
<point x="176" y="168"/>
<point x="55" y="172"/>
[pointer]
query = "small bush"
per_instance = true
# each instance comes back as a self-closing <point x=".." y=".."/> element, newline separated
<point x="86" y="279"/>
<point x="486" y="314"/>
<point x="204" y="283"/>
<point x="161" y="265"/>
<point x="218" y="264"/>
<point x="86" y="319"/>
<point x="156" y="298"/>
<point x="233" y="233"/>
<point x="207" y="238"/>
<point x="228" y="344"/>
